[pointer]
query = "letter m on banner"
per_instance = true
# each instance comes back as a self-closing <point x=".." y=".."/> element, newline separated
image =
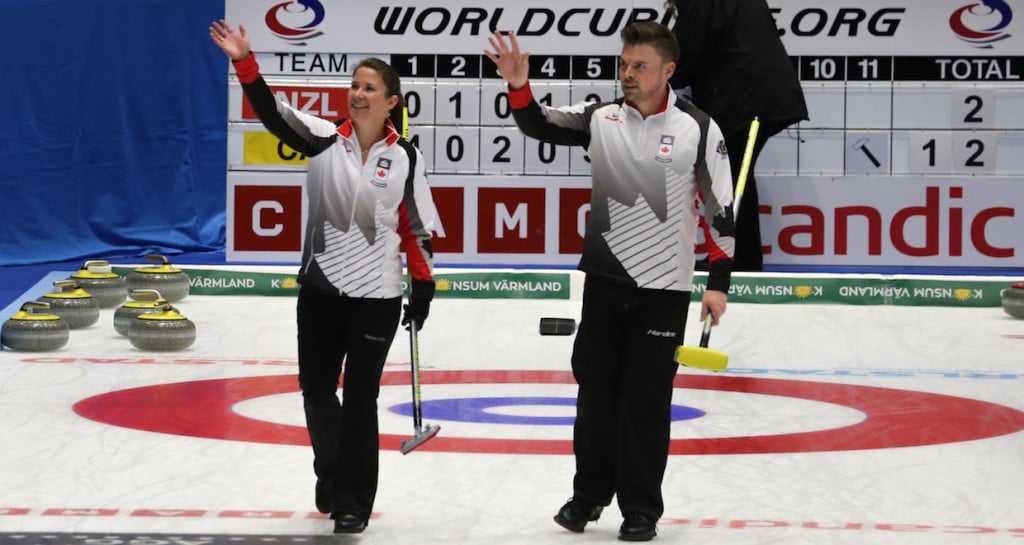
<point x="511" y="220"/>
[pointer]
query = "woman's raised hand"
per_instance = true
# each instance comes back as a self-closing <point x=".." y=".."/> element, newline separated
<point x="234" y="44"/>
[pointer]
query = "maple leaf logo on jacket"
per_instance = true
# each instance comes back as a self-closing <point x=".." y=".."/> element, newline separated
<point x="381" y="172"/>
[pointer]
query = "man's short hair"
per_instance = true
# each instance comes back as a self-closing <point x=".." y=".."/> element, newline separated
<point x="655" y="34"/>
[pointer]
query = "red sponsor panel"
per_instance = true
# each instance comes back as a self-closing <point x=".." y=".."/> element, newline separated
<point x="268" y="218"/>
<point x="326" y="102"/>
<point x="573" y="213"/>
<point x="510" y="220"/>
<point x="450" y="227"/>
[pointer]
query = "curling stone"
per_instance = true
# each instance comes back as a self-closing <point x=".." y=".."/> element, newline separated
<point x="170" y="281"/>
<point x="96" y="277"/>
<point x="74" y="305"/>
<point x="30" y="331"/>
<point x="163" y="331"/>
<point x="142" y="302"/>
<point x="1013" y="300"/>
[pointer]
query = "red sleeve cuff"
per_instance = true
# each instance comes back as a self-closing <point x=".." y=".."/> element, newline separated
<point x="247" y="69"/>
<point x="520" y="98"/>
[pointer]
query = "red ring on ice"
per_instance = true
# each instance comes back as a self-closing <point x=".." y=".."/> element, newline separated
<point x="893" y="417"/>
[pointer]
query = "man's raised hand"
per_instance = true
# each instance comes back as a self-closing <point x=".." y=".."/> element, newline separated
<point x="513" y="66"/>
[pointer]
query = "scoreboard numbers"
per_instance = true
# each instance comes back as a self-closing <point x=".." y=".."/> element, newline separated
<point x="869" y="115"/>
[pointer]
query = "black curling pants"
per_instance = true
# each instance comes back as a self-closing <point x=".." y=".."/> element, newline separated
<point x="334" y="329"/>
<point x="624" y="363"/>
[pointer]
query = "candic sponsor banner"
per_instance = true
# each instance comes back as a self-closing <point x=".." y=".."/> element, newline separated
<point x="893" y="221"/>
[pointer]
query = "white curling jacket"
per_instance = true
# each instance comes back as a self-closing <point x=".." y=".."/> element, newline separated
<point x="361" y="216"/>
<point x="655" y="182"/>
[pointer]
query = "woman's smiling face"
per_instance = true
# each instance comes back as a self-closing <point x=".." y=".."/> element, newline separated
<point x="369" y="102"/>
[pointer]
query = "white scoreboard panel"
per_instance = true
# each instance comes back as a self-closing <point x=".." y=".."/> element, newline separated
<point x="915" y="92"/>
<point x="895" y="115"/>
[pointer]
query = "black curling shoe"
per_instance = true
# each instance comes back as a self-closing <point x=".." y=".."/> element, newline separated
<point x="576" y="513"/>
<point x="637" y="527"/>
<point x="347" y="523"/>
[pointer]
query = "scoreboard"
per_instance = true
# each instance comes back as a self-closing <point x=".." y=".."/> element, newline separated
<point x="916" y="116"/>
<point x="900" y="115"/>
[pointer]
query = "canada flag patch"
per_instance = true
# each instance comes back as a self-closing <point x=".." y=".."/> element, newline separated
<point x="664" y="154"/>
<point x="381" y="172"/>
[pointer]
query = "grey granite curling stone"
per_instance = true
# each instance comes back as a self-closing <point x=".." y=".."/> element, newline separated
<point x="29" y="331"/>
<point x="162" y="332"/>
<point x="1013" y="300"/>
<point x="170" y="281"/>
<point x="142" y="302"/>
<point x="97" y="278"/>
<point x="74" y="305"/>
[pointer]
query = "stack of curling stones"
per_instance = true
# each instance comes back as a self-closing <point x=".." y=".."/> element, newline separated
<point x="142" y="302"/>
<point x="170" y="281"/>
<point x="77" y="307"/>
<point x="31" y="331"/>
<point x="165" y="330"/>
<point x="97" y="278"/>
<point x="1013" y="300"/>
<point x="147" y="319"/>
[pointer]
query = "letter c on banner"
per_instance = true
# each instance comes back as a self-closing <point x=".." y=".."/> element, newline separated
<point x="257" y="214"/>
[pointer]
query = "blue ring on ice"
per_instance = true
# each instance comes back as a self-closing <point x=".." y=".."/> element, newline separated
<point x="482" y="410"/>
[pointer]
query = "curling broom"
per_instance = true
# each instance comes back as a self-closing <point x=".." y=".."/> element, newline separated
<point x="421" y="433"/>
<point x="702" y="357"/>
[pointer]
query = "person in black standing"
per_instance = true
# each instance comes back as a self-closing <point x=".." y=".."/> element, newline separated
<point x="654" y="156"/>
<point x="368" y="202"/>
<point x="737" y="68"/>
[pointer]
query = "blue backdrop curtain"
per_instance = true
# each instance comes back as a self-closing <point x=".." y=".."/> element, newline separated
<point x="112" y="129"/>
